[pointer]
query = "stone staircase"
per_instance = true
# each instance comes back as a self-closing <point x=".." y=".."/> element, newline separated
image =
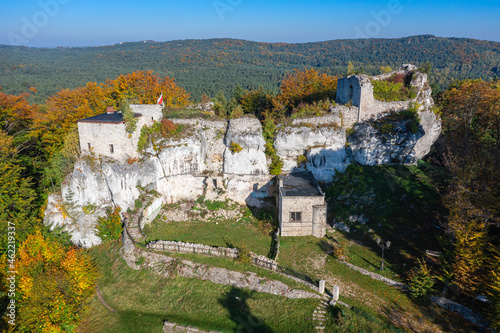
<point x="132" y="222"/>
<point x="319" y="314"/>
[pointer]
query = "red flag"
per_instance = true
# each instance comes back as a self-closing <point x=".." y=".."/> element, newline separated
<point x="160" y="100"/>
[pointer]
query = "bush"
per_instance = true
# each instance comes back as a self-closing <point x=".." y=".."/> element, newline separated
<point x="276" y="166"/>
<point x="164" y="129"/>
<point x="237" y="112"/>
<point x="138" y="203"/>
<point x="301" y="161"/>
<point x="168" y="129"/>
<point x="235" y="148"/>
<point x="110" y="227"/>
<point x="395" y="88"/>
<point x="244" y="254"/>
<point x="420" y="281"/>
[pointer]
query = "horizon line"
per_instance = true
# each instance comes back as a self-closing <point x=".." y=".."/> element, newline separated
<point x="241" y="39"/>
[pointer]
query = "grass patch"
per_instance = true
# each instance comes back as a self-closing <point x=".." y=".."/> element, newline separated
<point x="184" y="113"/>
<point x="378" y="307"/>
<point x="238" y="266"/>
<point x="144" y="300"/>
<point x="245" y="231"/>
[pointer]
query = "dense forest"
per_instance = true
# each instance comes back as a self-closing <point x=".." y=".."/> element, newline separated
<point x="46" y="90"/>
<point x="208" y="66"/>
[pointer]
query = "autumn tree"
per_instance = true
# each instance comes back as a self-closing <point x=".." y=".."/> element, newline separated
<point x="306" y="86"/>
<point x="493" y="289"/>
<point x="257" y="102"/>
<point x="468" y="227"/>
<point x="145" y="88"/>
<point x="17" y="199"/>
<point x="64" y="109"/>
<point x="55" y="284"/>
<point x="471" y="155"/>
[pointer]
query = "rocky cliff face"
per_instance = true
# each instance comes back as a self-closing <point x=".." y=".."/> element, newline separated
<point x="204" y="163"/>
<point x="251" y="160"/>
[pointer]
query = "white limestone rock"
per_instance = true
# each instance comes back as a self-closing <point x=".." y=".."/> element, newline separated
<point x="370" y="147"/>
<point x="183" y="157"/>
<point x="79" y="225"/>
<point x="324" y="148"/>
<point x="247" y="133"/>
<point x="181" y="187"/>
<point x="123" y="180"/>
<point x="431" y="124"/>
<point x="341" y="226"/>
<point x="250" y="190"/>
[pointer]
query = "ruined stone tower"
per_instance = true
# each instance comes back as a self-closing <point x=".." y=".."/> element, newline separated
<point x="359" y="90"/>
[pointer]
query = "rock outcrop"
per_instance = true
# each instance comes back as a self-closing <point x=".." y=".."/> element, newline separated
<point x="245" y="133"/>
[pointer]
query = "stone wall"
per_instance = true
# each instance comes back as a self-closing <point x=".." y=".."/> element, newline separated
<point x="151" y="212"/>
<point x="182" y="247"/>
<point x="100" y="136"/>
<point x="305" y="205"/>
<point x="319" y="220"/>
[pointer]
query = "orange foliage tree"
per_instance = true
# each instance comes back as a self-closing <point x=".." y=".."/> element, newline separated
<point x="54" y="285"/>
<point x="145" y="88"/>
<point x="306" y="86"/>
<point x="16" y="120"/>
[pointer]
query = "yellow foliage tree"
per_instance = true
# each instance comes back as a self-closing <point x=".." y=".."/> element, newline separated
<point x="54" y="285"/>
<point x="469" y="228"/>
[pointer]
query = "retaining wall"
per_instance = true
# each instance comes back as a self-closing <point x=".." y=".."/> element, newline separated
<point x="182" y="247"/>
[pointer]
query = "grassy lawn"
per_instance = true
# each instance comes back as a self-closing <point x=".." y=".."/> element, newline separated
<point x="234" y="265"/>
<point x="143" y="300"/>
<point x="377" y="307"/>
<point x="247" y="230"/>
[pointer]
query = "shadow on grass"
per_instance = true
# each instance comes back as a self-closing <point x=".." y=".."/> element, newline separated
<point x="235" y="301"/>
<point x="401" y="202"/>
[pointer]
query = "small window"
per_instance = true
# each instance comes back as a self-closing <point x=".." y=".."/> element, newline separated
<point x="152" y="119"/>
<point x="111" y="149"/>
<point x="88" y="145"/>
<point x="295" y="217"/>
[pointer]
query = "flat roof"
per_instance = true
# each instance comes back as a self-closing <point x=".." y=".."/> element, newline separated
<point x="108" y="118"/>
<point x="300" y="184"/>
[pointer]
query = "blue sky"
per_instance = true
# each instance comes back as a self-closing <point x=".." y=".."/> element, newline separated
<point x="93" y="23"/>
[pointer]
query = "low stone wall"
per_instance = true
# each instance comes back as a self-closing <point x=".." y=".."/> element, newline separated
<point x="257" y="260"/>
<point x="463" y="311"/>
<point x="182" y="247"/>
<point x="166" y="266"/>
<point x="376" y="276"/>
<point x="169" y="327"/>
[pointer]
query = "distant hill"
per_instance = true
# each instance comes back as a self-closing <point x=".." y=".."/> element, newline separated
<point x="220" y="64"/>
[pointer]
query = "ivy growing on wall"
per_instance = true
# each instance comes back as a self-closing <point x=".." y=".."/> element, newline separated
<point x="128" y="116"/>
